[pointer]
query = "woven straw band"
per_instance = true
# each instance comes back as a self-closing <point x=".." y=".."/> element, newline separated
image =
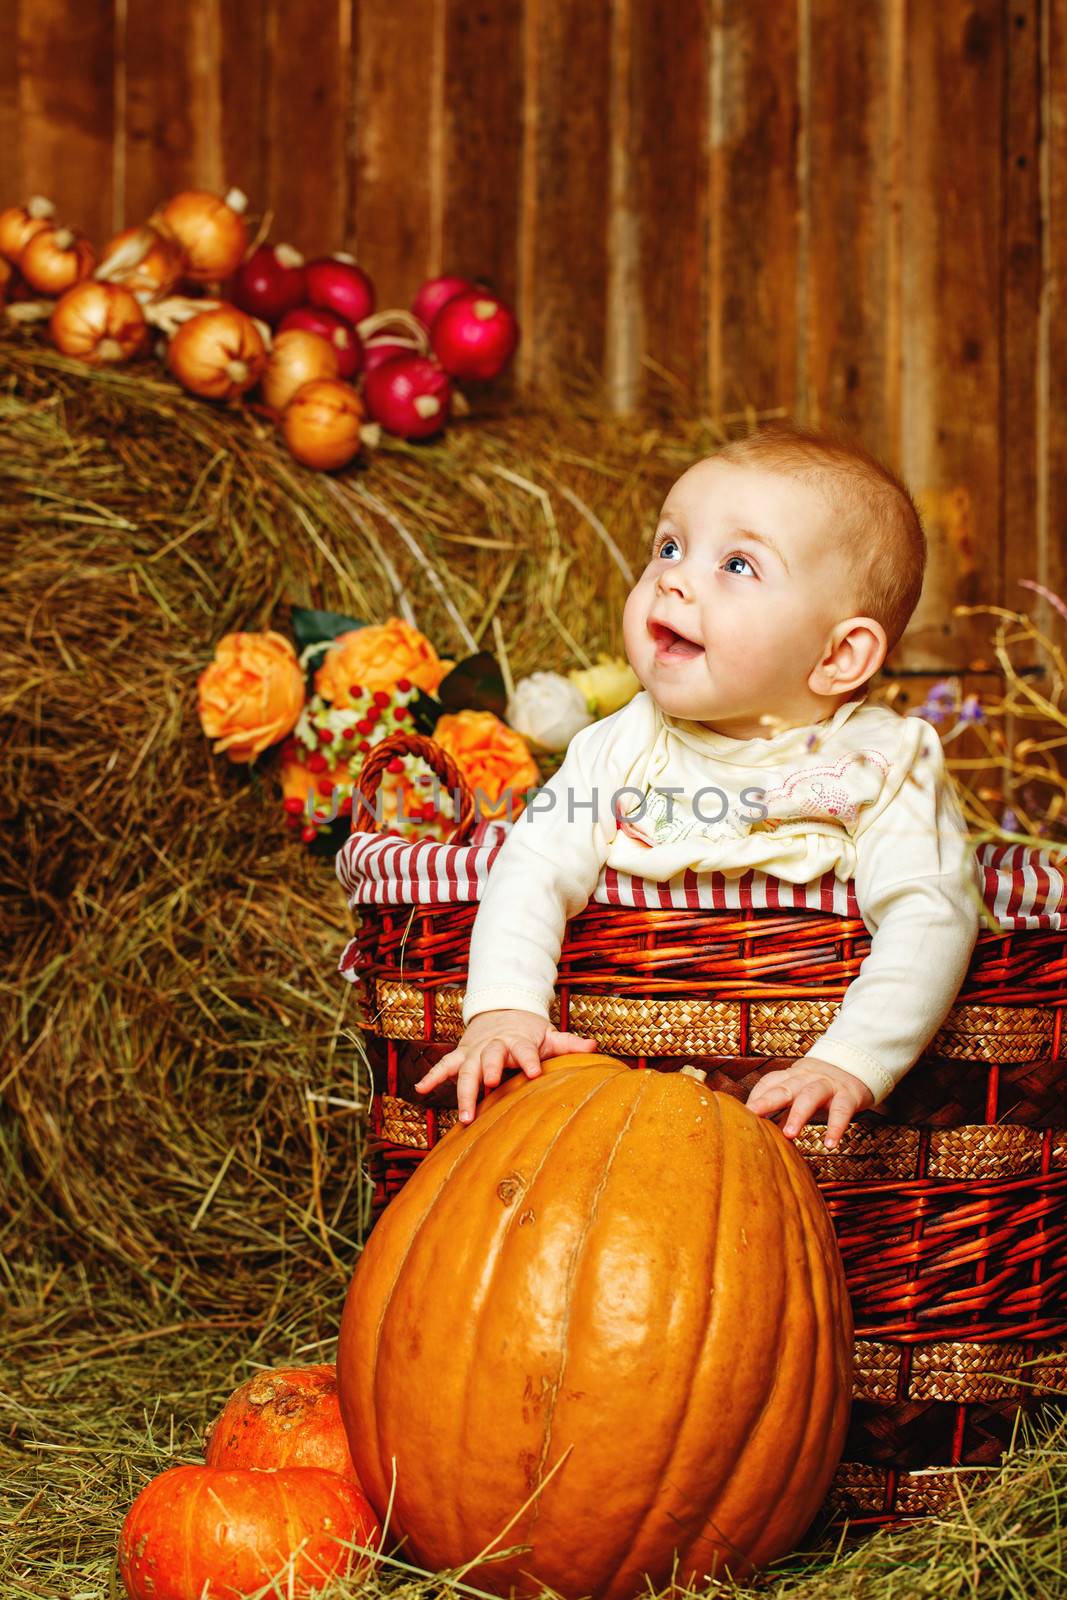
<point x="959" y="1371"/>
<point x="784" y="1027"/>
<point x="857" y="1487"/>
<point x="865" y="1152"/>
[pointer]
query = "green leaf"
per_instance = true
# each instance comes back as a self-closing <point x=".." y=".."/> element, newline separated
<point x="425" y="711"/>
<point x="329" y="841"/>
<point x="474" y="684"/>
<point x="311" y="626"/>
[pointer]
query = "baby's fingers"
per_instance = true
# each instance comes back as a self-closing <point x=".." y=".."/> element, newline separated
<point x="525" y="1055"/>
<point x="837" y="1120"/>
<point x="566" y="1044"/>
<point x="447" y="1067"/>
<point x="770" y="1096"/>
<point x="805" y="1102"/>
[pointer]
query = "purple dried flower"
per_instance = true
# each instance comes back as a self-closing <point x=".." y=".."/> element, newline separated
<point x="940" y="701"/>
<point x="1009" y="821"/>
<point x="971" y="710"/>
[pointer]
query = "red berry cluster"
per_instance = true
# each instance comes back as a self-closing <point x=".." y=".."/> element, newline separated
<point x="331" y="744"/>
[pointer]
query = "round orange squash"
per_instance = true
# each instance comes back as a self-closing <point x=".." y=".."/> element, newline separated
<point x="615" y="1295"/>
<point x="285" y="1417"/>
<point x="205" y="1533"/>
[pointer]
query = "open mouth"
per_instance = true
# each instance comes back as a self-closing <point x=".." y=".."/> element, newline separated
<point x="669" y="642"/>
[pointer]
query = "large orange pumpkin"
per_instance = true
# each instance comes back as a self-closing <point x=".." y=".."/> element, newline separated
<point x="625" y="1280"/>
<point x="205" y="1533"/>
<point x="286" y="1417"/>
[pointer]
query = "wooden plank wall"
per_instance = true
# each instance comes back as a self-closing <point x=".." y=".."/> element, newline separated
<point x="840" y="210"/>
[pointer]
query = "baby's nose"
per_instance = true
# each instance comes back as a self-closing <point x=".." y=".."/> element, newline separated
<point x="672" y="581"/>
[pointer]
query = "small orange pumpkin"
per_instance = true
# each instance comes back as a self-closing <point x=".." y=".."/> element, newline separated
<point x="288" y="1417"/>
<point x="99" y="323"/>
<point x="218" y="354"/>
<point x="201" y="1533"/>
<point x="646" y="1339"/>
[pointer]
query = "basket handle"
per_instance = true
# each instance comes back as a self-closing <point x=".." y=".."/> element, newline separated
<point x="437" y="759"/>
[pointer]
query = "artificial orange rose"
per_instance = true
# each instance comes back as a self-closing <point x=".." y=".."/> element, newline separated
<point x="251" y="695"/>
<point x="378" y="657"/>
<point x="298" y="782"/>
<point x="491" y="756"/>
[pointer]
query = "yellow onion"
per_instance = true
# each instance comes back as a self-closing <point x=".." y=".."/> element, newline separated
<point x="55" y="259"/>
<point x="5" y="279"/>
<point x="218" y="354"/>
<point x="322" y="423"/>
<point x="296" y="358"/>
<point x="99" y="323"/>
<point x="18" y="224"/>
<point x="146" y="261"/>
<point x="211" y="231"/>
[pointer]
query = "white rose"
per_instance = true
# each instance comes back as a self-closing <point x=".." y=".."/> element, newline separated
<point x="548" y="710"/>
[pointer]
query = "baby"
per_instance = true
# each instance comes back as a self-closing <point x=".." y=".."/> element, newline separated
<point x="782" y="571"/>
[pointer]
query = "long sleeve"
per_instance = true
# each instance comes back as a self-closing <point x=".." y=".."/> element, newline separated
<point x="919" y="893"/>
<point x="546" y="872"/>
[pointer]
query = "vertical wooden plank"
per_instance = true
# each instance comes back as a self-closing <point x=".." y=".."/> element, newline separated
<point x="173" y="108"/>
<point x="1021" y="303"/>
<point x="308" y="46"/>
<point x="244" y="74"/>
<point x="1051" y="551"/>
<point x="1042" y="557"/>
<point x="847" y="322"/>
<point x="396" y="208"/>
<point x="566" y="153"/>
<point x="953" y="195"/>
<point x="670" y="55"/>
<point x="11" y="171"/>
<point x="482" y="145"/>
<point x="66" y="107"/>
<point x="623" y="323"/>
<point x="755" y="234"/>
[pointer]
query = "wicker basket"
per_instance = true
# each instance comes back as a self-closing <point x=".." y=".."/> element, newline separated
<point x="949" y="1201"/>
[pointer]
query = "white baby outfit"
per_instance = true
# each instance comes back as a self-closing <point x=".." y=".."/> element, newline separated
<point x="864" y="794"/>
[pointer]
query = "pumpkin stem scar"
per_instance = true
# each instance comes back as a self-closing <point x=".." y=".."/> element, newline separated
<point x="509" y="1187"/>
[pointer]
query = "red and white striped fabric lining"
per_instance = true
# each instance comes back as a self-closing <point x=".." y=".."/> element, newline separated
<point x="1022" y="889"/>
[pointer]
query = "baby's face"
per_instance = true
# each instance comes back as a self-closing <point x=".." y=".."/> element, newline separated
<point x="724" y="626"/>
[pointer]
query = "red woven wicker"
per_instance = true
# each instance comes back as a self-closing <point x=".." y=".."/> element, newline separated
<point x="438" y="759"/>
<point x="949" y="1202"/>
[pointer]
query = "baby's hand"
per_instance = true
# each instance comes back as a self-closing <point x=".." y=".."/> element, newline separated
<point x="807" y="1085"/>
<point x="494" y="1040"/>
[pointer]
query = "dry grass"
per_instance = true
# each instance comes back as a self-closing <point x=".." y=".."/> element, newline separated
<point x="183" y="1094"/>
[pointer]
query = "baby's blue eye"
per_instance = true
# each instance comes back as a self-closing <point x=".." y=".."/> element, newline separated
<point x="741" y="558"/>
<point x="665" y="546"/>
